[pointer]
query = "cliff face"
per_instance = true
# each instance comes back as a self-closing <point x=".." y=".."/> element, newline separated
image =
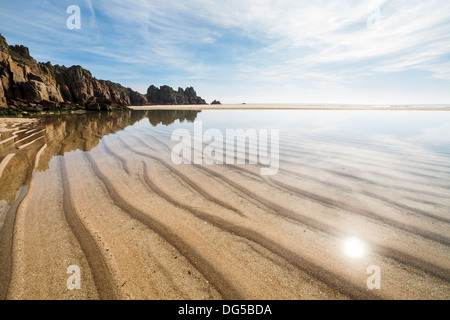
<point x="77" y="85"/>
<point x="25" y="83"/>
<point x="22" y="80"/>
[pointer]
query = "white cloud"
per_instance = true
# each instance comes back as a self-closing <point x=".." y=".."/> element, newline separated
<point x="299" y="35"/>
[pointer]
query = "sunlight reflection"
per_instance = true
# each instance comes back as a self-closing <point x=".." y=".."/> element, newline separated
<point x="354" y="247"/>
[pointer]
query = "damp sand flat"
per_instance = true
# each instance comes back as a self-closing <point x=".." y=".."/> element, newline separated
<point x="100" y="191"/>
<point x="289" y="107"/>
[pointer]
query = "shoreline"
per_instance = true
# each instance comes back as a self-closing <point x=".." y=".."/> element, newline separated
<point x="282" y="107"/>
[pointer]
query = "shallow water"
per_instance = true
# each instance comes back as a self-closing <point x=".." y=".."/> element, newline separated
<point x="355" y="192"/>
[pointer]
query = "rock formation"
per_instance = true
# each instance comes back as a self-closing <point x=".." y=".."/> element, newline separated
<point x="215" y="102"/>
<point x="22" y="81"/>
<point x="165" y="95"/>
<point x="26" y="84"/>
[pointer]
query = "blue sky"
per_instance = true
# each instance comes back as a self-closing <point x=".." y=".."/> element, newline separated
<point x="253" y="51"/>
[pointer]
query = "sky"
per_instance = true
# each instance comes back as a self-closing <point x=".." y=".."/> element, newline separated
<point x="250" y="51"/>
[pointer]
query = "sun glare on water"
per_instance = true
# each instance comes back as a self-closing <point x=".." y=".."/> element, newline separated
<point x="354" y="248"/>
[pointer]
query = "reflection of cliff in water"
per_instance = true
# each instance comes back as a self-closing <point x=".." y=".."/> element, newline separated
<point x="22" y="139"/>
<point x="167" y="117"/>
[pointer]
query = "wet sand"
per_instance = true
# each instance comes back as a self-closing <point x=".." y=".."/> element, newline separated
<point x="285" y="107"/>
<point x="102" y="193"/>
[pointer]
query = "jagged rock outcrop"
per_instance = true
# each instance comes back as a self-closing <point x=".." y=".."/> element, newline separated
<point x="215" y="102"/>
<point x="165" y="95"/>
<point x="26" y="83"/>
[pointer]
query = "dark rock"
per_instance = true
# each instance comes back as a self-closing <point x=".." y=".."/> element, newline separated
<point x="165" y="95"/>
<point x="49" y="105"/>
<point x="14" y="103"/>
<point x="152" y="94"/>
<point x="65" y="92"/>
<point x="215" y="102"/>
<point x="137" y="99"/>
<point x="17" y="91"/>
<point x="32" y="76"/>
<point x="67" y="105"/>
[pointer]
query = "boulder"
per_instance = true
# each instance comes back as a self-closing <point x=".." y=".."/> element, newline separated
<point x="48" y="105"/>
<point x="65" y="92"/>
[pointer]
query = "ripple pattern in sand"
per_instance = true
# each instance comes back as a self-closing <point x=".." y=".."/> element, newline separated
<point x="141" y="227"/>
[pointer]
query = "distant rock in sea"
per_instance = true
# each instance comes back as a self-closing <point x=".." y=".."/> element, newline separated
<point x="215" y="102"/>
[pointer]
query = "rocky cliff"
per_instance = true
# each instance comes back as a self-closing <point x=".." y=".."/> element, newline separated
<point x="165" y="95"/>
<point x="28" y="84"/>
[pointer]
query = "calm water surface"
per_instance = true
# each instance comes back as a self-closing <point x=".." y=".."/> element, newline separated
<point x="354" y="190"/>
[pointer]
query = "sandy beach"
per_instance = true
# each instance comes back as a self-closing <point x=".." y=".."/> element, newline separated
<point x="100" y="192"/>
<point x="284" y="107"/>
